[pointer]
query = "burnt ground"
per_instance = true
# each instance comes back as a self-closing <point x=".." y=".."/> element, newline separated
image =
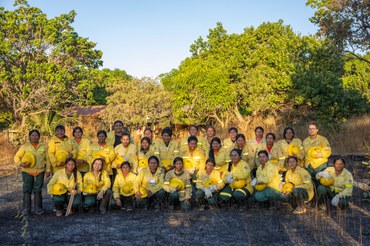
<point x="218" y="227"/>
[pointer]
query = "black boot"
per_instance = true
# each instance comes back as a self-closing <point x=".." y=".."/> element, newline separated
<point x="37" y="199"/>
<point x="26" y="203"/>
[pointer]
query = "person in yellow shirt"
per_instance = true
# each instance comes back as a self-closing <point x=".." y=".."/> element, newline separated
<point x="193" y="156"/>
<point x="143" y="153"/>
<point x="276" y="155"/>
<point x="71" y="182"/>
<point x="208" y="185"/>
<point x="114" y="137"/>
<point x="124" y="188"/>
<point x="148" y="185"/>
<point x="81" y="145"/>
<point x="149" y="134"/>
<point x="193" y="131"/>
<point x="267" y="175"/>
<point x="96" y="187"/>
<point x="178" y="194"/>
<point x="230" y="142"/>
<point x="289" y="140"/>
<point x="220" y="155"/>
<point x="128" y="151"/>
<point x="33" y="170"/>
<point x="302" y="190"/>
<point x="255" y="145"/>
<point x="320" y="161"/>
<point x="59" y="142"/>
<point x="206" y="141"/>
<point x="101" y="149"/>
<point x="167" y="149"/>
<point x="340" y="192"/>
<point x="238" y="181"/>
<point x="241" y="144"/>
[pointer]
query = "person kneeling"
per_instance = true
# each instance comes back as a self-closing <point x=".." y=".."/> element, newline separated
<point x="123" y="187"/>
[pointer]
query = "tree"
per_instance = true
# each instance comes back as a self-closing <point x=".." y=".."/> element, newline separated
<point x="345" y="22"/>
<point x="44" y="64"/>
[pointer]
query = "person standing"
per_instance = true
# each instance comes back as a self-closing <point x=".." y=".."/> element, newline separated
<point x="81" y="145"/>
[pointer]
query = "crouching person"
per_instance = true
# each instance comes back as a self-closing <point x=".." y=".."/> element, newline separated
<point x="148" y="185"/>
<point x="267" y="181"/>
<point x="123" y="188"/>
<point x="63" y="184"/>
<point x="336" y="185"/>
<point x="96" y="187"/>
<point x="177" y="184"/>
<point x="298" y="187"/>
<point x="208" y="184"/>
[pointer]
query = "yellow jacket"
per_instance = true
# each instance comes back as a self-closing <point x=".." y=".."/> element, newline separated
<point x="194" y="160"/>
<point x="128" y="153"/>
<point x="318" y="141"/>
<point x="142" y="158"/>
<point x="185" y="177"/>
<point x="106" y="151"/>
<point x="184" y="143"/>
<point x="61" y="177"/>
<point x="122" y="181"/>
<point x="166" y="154"/>
<point x="215" y="177"/>
<point x="301" y="178"/>
<point x="102" y="181"/>
<point x="222" y="159"/>
<point x="205" y="144"/>
<point x="276" y="156"/>
<point x="269" y="175"/>
<point x="240" y="171"/>
<point x="284" y="145"/>
<point x="149" y="181"/>
<point x="111" y="137"/>
<point x="40" y="153"/>
<point x="228" y="144"/>
<point x="253" y="148"/>
<point x="54" y="145"/>
<point x="81" y="153"/>
<point x="343" y="183"/>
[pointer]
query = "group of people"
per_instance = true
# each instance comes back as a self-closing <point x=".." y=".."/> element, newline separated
<point x="195" y="171"/>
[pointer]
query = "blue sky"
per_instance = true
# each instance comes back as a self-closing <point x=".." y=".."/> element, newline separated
<point x="150" y="37"/>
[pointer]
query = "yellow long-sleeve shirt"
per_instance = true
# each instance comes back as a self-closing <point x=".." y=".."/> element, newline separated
<point x="222" y="159"/>
<point x="318" y="141"/>
<point x="240" y="171"/>
<point x="128" y="153"/>
<point x="269" y="175"/>
<point x="284" y="145"/>
<point x="101" y="181"/>
<point x="121" y="181"/>
<point x="106" y="152"/>
<point x="195" y="160"/>
<point x="253" y="148"/>
<point x="81" y="153"/>
<point x="166" y="154"/>
<point x="343" y="183"/>
<point x="142" y="158"/>
<point x="214" y="176"/>
<point x="301" y="178"/>
<point x="54" y="145"/>
<point x="228" y="144"/>
<point x="146" y="179"/>
<point x="61" y="177"/>
<point x="185" y="177"/>
<point x="40" y="153"/>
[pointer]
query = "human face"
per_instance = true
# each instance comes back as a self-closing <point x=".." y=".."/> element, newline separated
<point x="148" y="134"/>
<point x="145" y="144"/>
<point x="178" y="166"/>
<point x="153" y="165"/>
<point x="101" y="138"/>
<point x="60" y="133"/>
<point x="259" y="133"/>
<point x="263" y="158"/>
<point x="193" y="131"/>
<point x="232" y="134"/>
<point x="235" y="157"/>
<point x="118" y="127"/>
<point x="240" y="142"/>
<point x="125" y="140"/>
<point x="216" y="145"/>
<point x="34" y="137"/>
<point x="77" y="134"/>
<point x="292" y="163"/>
<point x="70" y="166"/>
<point x="97" y="166"/>
<point x="192" y="145"/>
<point x="125" y="169"/>
<point x="289" y="134"/>
<point x="339" y="166"/>
<point x="270" y="140"/>
<point x="166" y="138"/>
<point x="209" y="166"/>
<point x="312" y="130"/>
<point x="210" y="132"/>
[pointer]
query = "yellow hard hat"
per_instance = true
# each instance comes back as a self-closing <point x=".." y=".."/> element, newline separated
<point x="98" y="154"/>
<point x="260" y="186"/>
<point x="119" y="160"/>
<point x="238" y="184"/>
<point x="90" y="189"/>
<point x="287" y="187"/>
<point x="143" y="163"/>
<point x="326" y="182"/>
<point x="29" y="158"/>
<point x="61" y="155"/>
<point x="208" y="183"/>
<point x="176" y="182"/>
<point x="187" y="163"/>
<point x="58" y="189"/>
<point x="127" y="190"/>
<point x="80" y="156"/>
<point x="293" y="150"/>
<point x="166" y="164"/>
<point x="312" y="152"/>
